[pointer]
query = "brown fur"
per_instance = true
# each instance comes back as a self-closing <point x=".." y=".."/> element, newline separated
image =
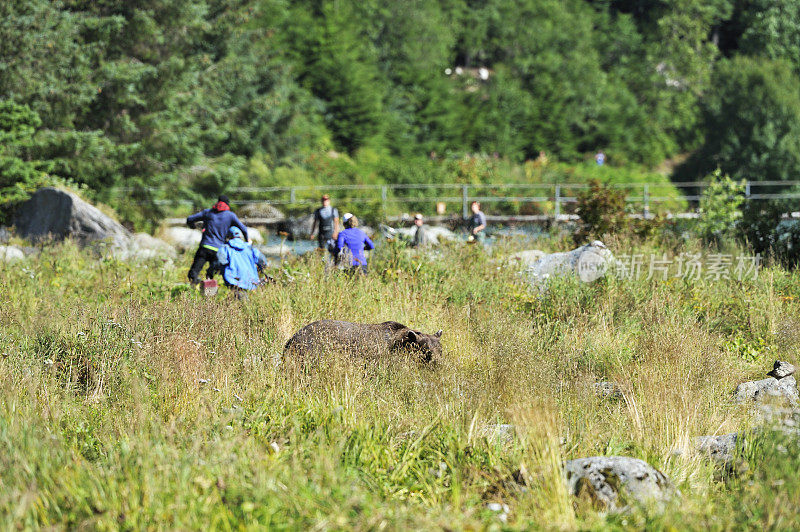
<point x="369" y="340"/>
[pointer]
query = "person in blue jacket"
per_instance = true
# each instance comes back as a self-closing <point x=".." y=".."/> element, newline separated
<point x="353" y="241"/>
<point x="240" y="262"/>
<point x="216" y="222"/>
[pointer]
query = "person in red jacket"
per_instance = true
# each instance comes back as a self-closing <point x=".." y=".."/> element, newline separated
<point x="216" y="222"/>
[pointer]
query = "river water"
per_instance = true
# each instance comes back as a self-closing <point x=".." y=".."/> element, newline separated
<point x="276" y="246"/>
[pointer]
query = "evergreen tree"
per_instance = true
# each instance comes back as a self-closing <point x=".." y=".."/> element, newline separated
<point x="18" y="174"/>
<point x="339" y="66"/>
<point x="751" y="122"/>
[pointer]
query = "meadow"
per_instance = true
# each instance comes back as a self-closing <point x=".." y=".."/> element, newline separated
<point x="131" y="402"/>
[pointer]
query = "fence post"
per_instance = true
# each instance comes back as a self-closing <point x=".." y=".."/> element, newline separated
<point x="646" y="197"/>
<point x="383" y="200"/>
<point x="558" y="201"/>
<point x="465" y="200"/>
<point x="291" y="195"/>
<point x="747" y="189"/>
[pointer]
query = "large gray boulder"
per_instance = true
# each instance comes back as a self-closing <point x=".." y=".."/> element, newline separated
<point x="528" y="258"/>
<point x="144" y="247"/>
<point x="255" y="235"/>
<point x="434" y="233"/>
<point x="276" y="251"/>
<point x="613" y="482"/>
<point x="260" y="210"/>
<point x="769" y="390"/>
<point x="720" y="449"/>
<point x="588" y="263"/>
<point x="11" y="254"/>
<point x="183" y="238"/>
<point x="775" y="400"/>
<point x="58" y="214"/>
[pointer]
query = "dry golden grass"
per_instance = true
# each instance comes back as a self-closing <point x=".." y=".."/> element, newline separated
<point x="119" y="430"/>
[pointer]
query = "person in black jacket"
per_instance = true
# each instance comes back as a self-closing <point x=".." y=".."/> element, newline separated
<point x="216" y="222"/>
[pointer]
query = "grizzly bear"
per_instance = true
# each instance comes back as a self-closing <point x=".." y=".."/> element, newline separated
<point x="369" y="340"/>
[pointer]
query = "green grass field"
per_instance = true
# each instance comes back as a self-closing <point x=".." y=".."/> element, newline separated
<point x="105" y="422"/>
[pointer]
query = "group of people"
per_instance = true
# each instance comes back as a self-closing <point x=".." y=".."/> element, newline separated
<point x="226" y="247"/>
<point x="348" y="244"/>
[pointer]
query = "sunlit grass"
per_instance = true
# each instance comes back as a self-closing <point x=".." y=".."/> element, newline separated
<point x="130" y="401"/>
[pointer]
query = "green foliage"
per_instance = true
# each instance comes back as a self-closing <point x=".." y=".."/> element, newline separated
<point x="18" y="174"/>
<point x="155" y="97"/>
<point x="338" y="65"/>
<point x="764" y="228"/>
<point x="772" y="30"/>
<point x="751" y="121"/>
<point x="719" y="208"/>
<point x="602" y="210"/>
<point x="759" y="220"/>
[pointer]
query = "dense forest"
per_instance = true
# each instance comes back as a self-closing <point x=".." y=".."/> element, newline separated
<point x="196" y="95"/>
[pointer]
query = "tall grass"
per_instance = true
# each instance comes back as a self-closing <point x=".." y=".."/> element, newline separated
<point x="107" y="421"/>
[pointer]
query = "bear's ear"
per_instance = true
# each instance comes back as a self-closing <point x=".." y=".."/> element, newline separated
<point x="438" y="334"/>
<point x="409" y="337"/>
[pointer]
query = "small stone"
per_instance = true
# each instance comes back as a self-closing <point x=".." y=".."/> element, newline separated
<point x="11" y="254"/>
<point x="608" y="390"/>
<point x="781" y="369"/>
<point x="607" y="480"/>
<point x="501" y="431"/>
<point x="498" y="507"/>
<point x="769" y="389"/>
<point x="275" y="447"/>
<point x="720" y="449"/>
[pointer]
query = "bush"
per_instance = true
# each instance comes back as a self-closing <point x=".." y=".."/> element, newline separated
<point x="719" y="208"/>
<point x="602" y="211"/>
<point x="763" y="228"/>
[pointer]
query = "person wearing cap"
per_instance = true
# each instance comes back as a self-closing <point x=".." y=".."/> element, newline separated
<point x="240" y="262"/>
<point x="353" y="241"/>
<point x="216" y="222"/>
<point x="421" y="234"/>
<point x="326" y="218"/>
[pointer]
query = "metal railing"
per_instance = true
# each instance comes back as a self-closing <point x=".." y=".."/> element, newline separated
<point x="550" y="198"/>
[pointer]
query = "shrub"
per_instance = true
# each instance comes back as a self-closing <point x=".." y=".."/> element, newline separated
<point x="719" y="208"/>
<point x="602" y="211"/>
